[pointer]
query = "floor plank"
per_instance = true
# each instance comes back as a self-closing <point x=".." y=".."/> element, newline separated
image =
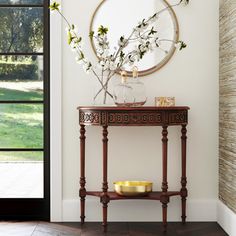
<point x="114" y="229"/>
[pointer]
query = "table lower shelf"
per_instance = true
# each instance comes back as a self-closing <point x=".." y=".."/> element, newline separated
<point x="150" y="196"/>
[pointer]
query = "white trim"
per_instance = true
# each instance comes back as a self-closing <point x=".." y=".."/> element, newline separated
<point x="226" y="219"/>
<point x="56" y="119"/>
<point x="197" y="210"/>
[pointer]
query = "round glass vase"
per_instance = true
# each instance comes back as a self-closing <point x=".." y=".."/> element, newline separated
<point x="139" y="92"/>
<point x="123" y="94"/>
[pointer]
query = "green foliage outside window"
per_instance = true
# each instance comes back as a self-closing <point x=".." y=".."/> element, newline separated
<point x="21" y="71"/>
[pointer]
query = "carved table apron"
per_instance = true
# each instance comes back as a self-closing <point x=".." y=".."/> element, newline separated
<point x="139" y="116"/>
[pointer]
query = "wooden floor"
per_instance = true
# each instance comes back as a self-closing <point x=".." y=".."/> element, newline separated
<point x="115" y="229"/>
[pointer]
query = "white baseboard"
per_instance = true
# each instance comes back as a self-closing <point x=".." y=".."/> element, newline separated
<point x="141" y="210"/>
<point x="226" y="219"/>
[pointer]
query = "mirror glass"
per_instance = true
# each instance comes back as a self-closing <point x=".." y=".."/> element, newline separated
<point x="121" y="16"/>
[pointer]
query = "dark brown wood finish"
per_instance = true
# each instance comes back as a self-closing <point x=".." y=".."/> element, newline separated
<point x="141" y="116"/>
<point x="164" y="196"/>
<point x="115" y="229"/>
<point x="104" y="196"/>
<point x="82" y="191"/>
<point x="184" y="191"/>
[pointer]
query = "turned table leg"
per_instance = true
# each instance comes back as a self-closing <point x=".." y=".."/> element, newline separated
<point x="105" y="197"/>
<point x="164" y="197"/>
<point x="184" y="192"/>
<point x="82" y="191"/>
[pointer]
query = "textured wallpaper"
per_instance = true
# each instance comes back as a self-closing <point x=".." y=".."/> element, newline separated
<point x="227" y="162"/>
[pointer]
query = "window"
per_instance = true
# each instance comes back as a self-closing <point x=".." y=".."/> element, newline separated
<point x="24" y="99"/>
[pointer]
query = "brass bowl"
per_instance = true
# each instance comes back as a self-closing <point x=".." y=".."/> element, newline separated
<point x="133" y="188"/>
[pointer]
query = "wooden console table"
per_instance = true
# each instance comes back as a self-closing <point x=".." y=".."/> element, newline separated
<point x="141" y="116"/>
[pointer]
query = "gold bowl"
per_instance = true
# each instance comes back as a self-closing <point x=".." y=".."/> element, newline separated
<point x="133" y="188"/>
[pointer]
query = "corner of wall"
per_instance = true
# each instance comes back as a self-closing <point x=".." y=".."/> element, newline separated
<point x="226" y="218"/>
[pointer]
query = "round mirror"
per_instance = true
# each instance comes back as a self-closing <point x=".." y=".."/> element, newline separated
<point x="121" y="16"/>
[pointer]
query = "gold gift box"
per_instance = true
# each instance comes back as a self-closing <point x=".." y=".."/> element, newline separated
<point x="165" y="101"/>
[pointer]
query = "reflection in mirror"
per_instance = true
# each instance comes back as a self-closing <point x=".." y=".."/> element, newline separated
<point x="121" y="16"/>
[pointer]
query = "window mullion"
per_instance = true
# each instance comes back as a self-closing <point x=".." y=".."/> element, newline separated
<point x="21" y="149"/>
<point x="21" y="5"/>
<point x="21" y="102"/>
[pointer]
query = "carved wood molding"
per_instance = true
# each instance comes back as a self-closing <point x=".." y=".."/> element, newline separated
<point x="132" y="117"/>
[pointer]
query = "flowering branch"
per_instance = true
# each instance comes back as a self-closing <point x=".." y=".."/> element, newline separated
<point x="144" y="36"/>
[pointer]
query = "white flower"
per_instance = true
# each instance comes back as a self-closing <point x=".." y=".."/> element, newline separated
<point x="122" y="42"/>
<point x="142" y="48"/>
<point x="177" y="45"/>
<point x="142" y="26"/>
<point x="145" y="37"/>
<point x="79" y="60"/>
<point x="137" y="32"/>
<point x="107" y="65"/>
<point x="74" y="45"/>
<point x="112" y="66"/>
<point x="102" y="63"/>
<point x="131" y="63"/>
<point x="105" y="53"/>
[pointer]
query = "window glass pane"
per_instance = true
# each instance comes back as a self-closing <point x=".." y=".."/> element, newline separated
<point x="21" y="156"/>
<point x="21" y="175"/>
<point x="21" y="29"/>
<point x="21" y="2"/>
<point x="21" y="126"/>
<point x="21" y="78"/>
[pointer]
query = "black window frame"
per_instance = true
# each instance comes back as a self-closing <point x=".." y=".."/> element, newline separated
<point x="33" y="208"/>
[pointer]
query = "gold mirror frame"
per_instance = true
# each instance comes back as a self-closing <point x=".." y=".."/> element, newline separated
<point x="168" y="56"/>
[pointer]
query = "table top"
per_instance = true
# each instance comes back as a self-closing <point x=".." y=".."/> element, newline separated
<point x="133" y="116"/>
<point x="144" y="108"/>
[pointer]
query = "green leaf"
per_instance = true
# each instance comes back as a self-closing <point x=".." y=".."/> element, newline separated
<point x="182" y="45"/>
<point x="91" y="34"/>
<point x="102" y="30"/>
<point x="152" y="31"/>
<point x="81" y="55"/>
<point x="79" y="40"/>
<point x="122" y="54"/>
<point x="154" y="15"/>
<point x="141" y="54"/>
<point x="186" y="2"/>
<point x="54" y="6"/>
<point x="70" y="37"/>
<point x="156" y="43"/>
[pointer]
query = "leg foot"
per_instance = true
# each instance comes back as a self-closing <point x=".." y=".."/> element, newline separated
<point x="183" y="210"/>
<point x="164" y="214"/>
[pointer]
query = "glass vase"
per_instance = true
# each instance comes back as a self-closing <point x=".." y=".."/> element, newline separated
<point x="138" y="91"/>
<point x="102" y="96"/>
<point x="123" y="94"/>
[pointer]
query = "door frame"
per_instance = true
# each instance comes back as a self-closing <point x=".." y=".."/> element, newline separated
<point x="56" y="118"/>
<point x="33" y="208"/>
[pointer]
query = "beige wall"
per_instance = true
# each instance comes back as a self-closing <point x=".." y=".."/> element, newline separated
<point x="227" y="186"/>
<point x="192" y="77"/>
